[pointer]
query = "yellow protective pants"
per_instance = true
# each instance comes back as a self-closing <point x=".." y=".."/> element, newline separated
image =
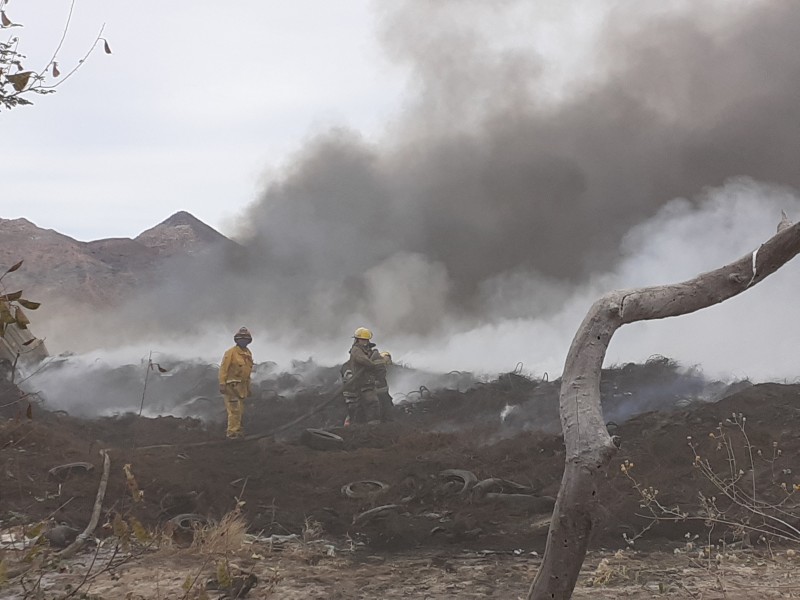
<point x="235" y="407"/>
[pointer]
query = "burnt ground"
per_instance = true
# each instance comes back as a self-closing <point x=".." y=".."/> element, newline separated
<point x="286" y="485"/>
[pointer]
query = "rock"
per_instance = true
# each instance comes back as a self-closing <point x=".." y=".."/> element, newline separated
<point x="61" y="536"/>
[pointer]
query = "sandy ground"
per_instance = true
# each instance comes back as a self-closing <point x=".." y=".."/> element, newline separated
<point x="312" y="570"/>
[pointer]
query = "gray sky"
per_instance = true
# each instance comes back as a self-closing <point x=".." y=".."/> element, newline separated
<point x="199" y="102"/>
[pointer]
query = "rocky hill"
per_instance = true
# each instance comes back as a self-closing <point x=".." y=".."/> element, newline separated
<point x="58" y="268"/>
<point x="182" y="233"/>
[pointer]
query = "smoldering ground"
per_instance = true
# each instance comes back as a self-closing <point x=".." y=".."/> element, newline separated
<point x="505" y="194"/>
<point x="160" y="384"/>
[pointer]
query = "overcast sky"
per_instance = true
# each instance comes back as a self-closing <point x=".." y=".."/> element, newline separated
<point x="202" y="103"/>
<point x="198" y="104"/>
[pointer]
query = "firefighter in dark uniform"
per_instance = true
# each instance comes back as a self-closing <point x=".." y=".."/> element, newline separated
<point x="361" y="373"/>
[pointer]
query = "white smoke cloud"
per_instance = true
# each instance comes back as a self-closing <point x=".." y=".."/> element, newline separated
<point x="528" y="321"/>
<point x="750" y="335"/>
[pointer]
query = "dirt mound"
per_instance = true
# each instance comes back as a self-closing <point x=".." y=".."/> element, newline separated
<point x="477" y="468"/>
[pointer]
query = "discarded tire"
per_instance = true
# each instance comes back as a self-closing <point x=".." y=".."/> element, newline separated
<point x="495" y="484"/>
<point x="319" y="439"/>
<point x="64" y="472"/>
<point x="359" y="490"/>
<point x="172" y="503"/>
<point x="188" y="522"/>
<point x="466" y="478"/>
<point x="375" y="513"/>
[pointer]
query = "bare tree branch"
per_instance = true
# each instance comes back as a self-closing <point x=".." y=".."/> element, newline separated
<point x="589" y="447"/>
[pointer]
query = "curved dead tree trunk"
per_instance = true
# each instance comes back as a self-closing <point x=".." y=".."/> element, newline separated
<point x="589" y="448"/>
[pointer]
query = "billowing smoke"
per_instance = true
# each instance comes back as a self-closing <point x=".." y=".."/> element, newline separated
<point x="484" y="177"/>
<point x="507" y="194"/>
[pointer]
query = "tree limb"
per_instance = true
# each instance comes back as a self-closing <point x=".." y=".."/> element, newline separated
<point x="589" y="448"/>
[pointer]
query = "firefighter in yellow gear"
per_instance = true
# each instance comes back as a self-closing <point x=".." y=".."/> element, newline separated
<point x="234" y="380"/>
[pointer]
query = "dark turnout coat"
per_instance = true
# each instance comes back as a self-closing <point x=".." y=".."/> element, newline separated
<point x="364" y="368"/>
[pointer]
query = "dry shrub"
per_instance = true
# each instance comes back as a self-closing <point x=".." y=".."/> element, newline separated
<point x="752" y="494"/>
<point x="216" y="543"/>
<point x="221" y="538"/>
<point x="312" y="530"/>
<point x="311" y="548"/>
<point x="613" y="571"/>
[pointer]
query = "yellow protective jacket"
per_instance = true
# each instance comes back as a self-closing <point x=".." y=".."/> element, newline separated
<point x="237" y="364"/>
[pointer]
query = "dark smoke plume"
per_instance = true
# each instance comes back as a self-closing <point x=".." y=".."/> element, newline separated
<point x="481" y="177"/>
<point x="489" y="177"/>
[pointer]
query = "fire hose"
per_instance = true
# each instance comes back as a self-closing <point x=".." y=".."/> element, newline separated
<point x="257" y="436"/>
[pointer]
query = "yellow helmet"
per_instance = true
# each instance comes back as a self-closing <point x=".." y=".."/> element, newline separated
<point x="362" y="333"/>
<point x="387" y="357"/>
